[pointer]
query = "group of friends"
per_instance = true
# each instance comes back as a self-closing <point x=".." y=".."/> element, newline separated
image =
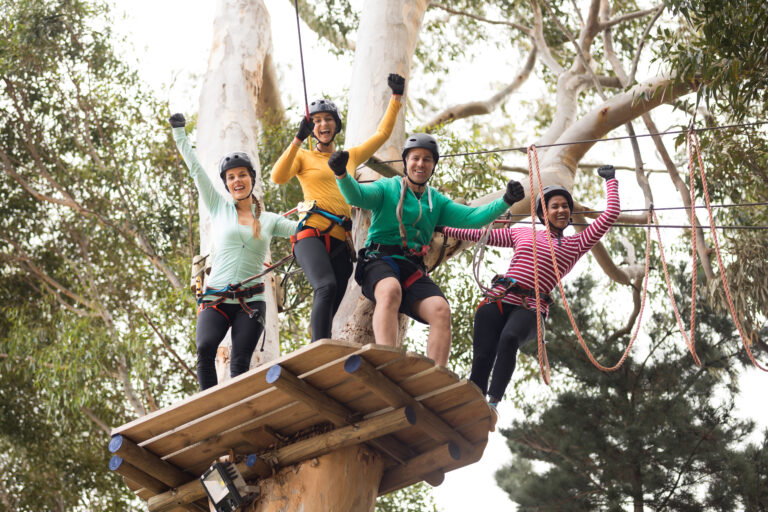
<point x="390" y="268"/>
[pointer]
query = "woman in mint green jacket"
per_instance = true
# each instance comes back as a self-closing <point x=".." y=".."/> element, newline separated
<point x="241" y="235"/>
<point x="405" y="212"/>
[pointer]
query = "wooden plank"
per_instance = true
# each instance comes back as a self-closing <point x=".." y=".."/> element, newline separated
<point x="191" y="456"/>
<point x="300" y="390"/>
<point x="420" y="466"/>
<point x="427" y="380"/>
<point x="218" y="421"/>
<point x="147" y="461"/>
<point x="288" y="455"/>
<point x="389" y="391"/>
<point x="439" y="401"/>
<point x="225" y="419"/>
<point x="233" y="390"/>
<point x="131" y="472"/>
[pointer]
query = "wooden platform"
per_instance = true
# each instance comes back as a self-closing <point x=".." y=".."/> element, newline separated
<point x="421" y="418"/>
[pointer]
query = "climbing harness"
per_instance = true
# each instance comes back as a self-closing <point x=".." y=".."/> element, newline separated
<point x="693" y="142"/>
<point x="533" y="160"/>
<point x="389" y="254"/>
<point x="308" y="208"/>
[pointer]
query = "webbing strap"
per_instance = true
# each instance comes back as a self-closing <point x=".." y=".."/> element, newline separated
<point x="309" y="233"/>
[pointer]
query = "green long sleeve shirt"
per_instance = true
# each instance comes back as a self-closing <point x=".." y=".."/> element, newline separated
<point x="382" y="196"/>
<point x="237" y="254"/>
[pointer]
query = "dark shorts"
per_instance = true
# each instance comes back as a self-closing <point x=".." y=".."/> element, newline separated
<point x="419" y="289"/>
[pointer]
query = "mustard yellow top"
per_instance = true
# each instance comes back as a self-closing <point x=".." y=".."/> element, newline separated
<point x="317" y="179"/>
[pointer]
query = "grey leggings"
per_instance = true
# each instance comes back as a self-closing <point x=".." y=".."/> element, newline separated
<point x="328" y="277"/>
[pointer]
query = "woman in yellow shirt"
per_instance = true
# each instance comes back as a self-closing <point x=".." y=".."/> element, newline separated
<point x="320" y="240"/>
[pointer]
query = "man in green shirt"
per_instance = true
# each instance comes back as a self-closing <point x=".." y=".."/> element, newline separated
<point x="405" y="212"/>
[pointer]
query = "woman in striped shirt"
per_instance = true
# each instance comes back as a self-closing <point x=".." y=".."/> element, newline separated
<point x="506" y="320"/>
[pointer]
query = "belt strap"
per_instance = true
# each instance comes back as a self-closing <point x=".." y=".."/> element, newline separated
<point x="309" y="233"/>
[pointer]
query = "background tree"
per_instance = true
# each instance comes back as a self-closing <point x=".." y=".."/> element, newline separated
<point x="99" y="219"/>
<point x="658" y="434"/>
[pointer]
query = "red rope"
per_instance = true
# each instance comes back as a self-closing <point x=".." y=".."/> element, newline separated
<point x="693" y="142"/>
<point x="534" y="159"/>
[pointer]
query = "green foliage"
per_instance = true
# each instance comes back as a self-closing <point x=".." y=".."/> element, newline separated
<point x="96" y="233"/>
<point x="658" y="433"/>
<point x="416" y="498"/>
<point x="723" y="44"/>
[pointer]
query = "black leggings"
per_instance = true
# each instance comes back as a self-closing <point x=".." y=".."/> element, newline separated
<point x="212" y="326"/>
<point x="498" y="335"/>
<point x="328" y="278"/>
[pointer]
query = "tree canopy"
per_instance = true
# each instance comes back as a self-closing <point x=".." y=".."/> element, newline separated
<point x="99" y="222"/>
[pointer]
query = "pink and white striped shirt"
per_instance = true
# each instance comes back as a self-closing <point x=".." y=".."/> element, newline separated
<point x="568" y="249"/>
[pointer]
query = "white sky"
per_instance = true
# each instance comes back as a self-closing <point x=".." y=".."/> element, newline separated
<point x="170" y="42"/>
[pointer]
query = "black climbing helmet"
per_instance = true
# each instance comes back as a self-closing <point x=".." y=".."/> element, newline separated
<point x="421" y="140"/>
<point x="323" y="105"/>
<point x="550" y="191"/>
<point x="236" y="159"/>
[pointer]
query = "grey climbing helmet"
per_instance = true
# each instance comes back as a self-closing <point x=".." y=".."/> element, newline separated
<point x="323" y="105"/>
<point x="233" y="160"/>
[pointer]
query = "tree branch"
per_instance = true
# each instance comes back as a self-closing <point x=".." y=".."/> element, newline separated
<point x="483" y="107"/>
<point x="20" y="256"/>
<point x="627" y="17"/>
<point x="586" y="40"/>
<point x="685" y="195"/>
<point x="541" y="43"/>
<point x="130" y="393"/>
<point x="636" y="300"/>
<point x="641" y="44"/>
<point x="164" y="340"/>
<point x="522" y="28"/>
<point x="103" y="426"/>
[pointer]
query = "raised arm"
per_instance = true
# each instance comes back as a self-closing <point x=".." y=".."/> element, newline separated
<point x="590" y="236"/>
<point x="364" y="151"/>
<point x="208" y="193"/>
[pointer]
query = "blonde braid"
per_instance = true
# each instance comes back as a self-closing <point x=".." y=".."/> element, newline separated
<point x="256" y="215"/>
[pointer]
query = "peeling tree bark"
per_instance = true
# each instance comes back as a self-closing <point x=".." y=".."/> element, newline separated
<point x="229" y="101"/>
<point x="387" y="37"/>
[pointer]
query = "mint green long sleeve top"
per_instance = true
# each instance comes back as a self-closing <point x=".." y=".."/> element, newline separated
<point x="382" y="196"/>
<point x="237" y="254"/>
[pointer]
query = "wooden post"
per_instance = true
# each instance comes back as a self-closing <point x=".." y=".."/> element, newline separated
<point x="147" y="462"/>
<point x="323" y="444"/>
<point x="346" y="479"/>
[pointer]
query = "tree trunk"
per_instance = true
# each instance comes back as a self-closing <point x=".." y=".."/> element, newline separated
<point x="346" y="479"/>
<point x="386" y="40"/>
<point x="228" y="119"/>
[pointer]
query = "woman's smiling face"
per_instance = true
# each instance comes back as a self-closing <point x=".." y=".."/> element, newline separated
<point x="325" y="127"/>
<point x="239" y="182"/>
<point x="558" y="212"/>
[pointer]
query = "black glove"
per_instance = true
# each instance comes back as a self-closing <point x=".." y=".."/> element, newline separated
<point x="305" y="128"/>
<point x="338" y="162"/>
<point x="608" y="172"/>
<point x="439" y="229"/>
<point x="514" y="192"/>
<point x="177" y="121"/>
<point x="396" y="83"/>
